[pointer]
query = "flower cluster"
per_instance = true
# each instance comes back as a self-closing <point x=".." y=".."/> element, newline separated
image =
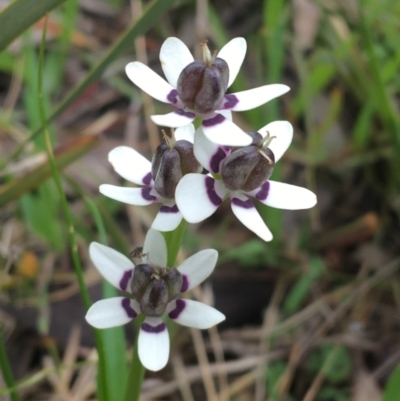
<point x="237" y="166"/>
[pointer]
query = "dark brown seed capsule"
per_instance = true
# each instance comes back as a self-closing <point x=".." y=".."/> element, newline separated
<point x="246" y="169"/>
<point x="202" y="86"/>
<point x="171" y="161"/>
<point x="153" y="287"/>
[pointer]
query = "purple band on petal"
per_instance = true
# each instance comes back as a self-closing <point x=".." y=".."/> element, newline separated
<point x="126" y="304"/>
<point x="180" y="306"/>
<point x="216" y="159"/>
<point x="262" y="194"/>
<point x="123" y="284"/>
<point x="173" y="96"/>
<point x="153" y="329"/>
<point x="169" y="209"/>
<point x="218" y="119"/>
<point x="187" y="114"/>
<point x="147" y="178"/>
<point x="146" y="194"/>
<point x="230" y="102"/>
<point x="212" y="195"/>
<point x="247" y="204"/>
<point x="185" y="283"/>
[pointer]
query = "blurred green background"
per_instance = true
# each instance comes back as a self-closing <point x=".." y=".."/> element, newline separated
<point x="312" y="315"/>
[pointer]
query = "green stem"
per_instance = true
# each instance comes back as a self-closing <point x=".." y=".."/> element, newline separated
<point x="6" y="370"/>
<point x="64" y="203"/>
<point x="136" y="369"/>
<point x="174" y="241"/>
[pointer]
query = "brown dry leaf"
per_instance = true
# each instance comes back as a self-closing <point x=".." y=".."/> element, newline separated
<point x="305" y="23"/>
<point x="365" y="387"/>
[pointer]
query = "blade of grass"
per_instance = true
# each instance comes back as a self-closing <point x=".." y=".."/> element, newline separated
<point x="114" y="342"/>
<point x="6" y="370"/>
<point x="392" y="389"/>
<point x="148" y="19"/>
<point x="102" y="388"/>
<point x="18" y="16"/>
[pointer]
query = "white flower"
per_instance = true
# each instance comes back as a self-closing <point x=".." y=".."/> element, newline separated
<point x="198" y="196"/>
<point x="153" y="339"/>
<point x="132" y="166"/>
<point x="217" y="125"/>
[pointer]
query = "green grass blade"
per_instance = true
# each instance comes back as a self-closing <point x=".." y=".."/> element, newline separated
<point x="392" y="389"/>
<point x="19" y="16"/>
<point x="6" y="370"/>
<point x="113" y="340"/>
<point x="148" y="19"/>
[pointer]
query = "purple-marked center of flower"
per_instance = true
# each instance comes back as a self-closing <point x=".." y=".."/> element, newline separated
<point x="185" y="283"/>
<point x="246" y="204"/>
<point x="218" y="119"/>
<point x="147" y="178"/>
<point x="230" y="102"/>
<point x="184" y="113"/>
<point x="262" y="194"/>
<point x="153" y="329"/>
<point x="169" y="209"/>
<point x="173" y="96"/>
<point x="212" y="194"/>
<point x="216" y="159"/>
<point x="126" y="304"/>
<point x="180" y="306"/>
<point x="123" y="284"/>
<point x="146" y="194"/>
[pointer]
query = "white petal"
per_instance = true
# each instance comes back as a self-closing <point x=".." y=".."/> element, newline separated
<point x="167" y="219"/>
<point x="253" y="98"/>
<point x="174" y="57"/>
<point x="177" y="118"/>
<point x="197" y="268"/>
<point x="208" y="154"/>
<point x="224" y="132"/>
<point x="283" y="133"/>
<point x="198" y="196"/>
<point x="130" y="165"/>
<point x="245" y="211"/>
<point x="233" y="53"/>
<point x="153" y="344"/>
<point x="132" y="196"/>
<point x="112" y="312"/>
<point x="185" y="133"/>
<point x="286" y="196"/>
<point x="226" y="113"/>
<point x="115" y="267"/>
<point x="150" y="82"/>
<point x="156" y="248"/>
<point x="194" y="314"/>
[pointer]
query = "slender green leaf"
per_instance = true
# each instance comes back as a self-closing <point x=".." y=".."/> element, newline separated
<point x="392" y="389"/>
<point x="20" y="15"/>
<point x="113" y="340"/>
<point x="6" y="370"/>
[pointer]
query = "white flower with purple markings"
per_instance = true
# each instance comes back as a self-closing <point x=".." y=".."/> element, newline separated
<point x="241" y="175"/>
<point x="198" y="88"/>
<point x="157" y="179"/>
<point x="154" y="290"/>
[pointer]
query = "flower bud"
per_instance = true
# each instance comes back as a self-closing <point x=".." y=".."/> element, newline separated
<point x="249" y="167"/>
<point x="170" y="162"/>
<point x="153" y="287"/>
<point x="202" y="85"/>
